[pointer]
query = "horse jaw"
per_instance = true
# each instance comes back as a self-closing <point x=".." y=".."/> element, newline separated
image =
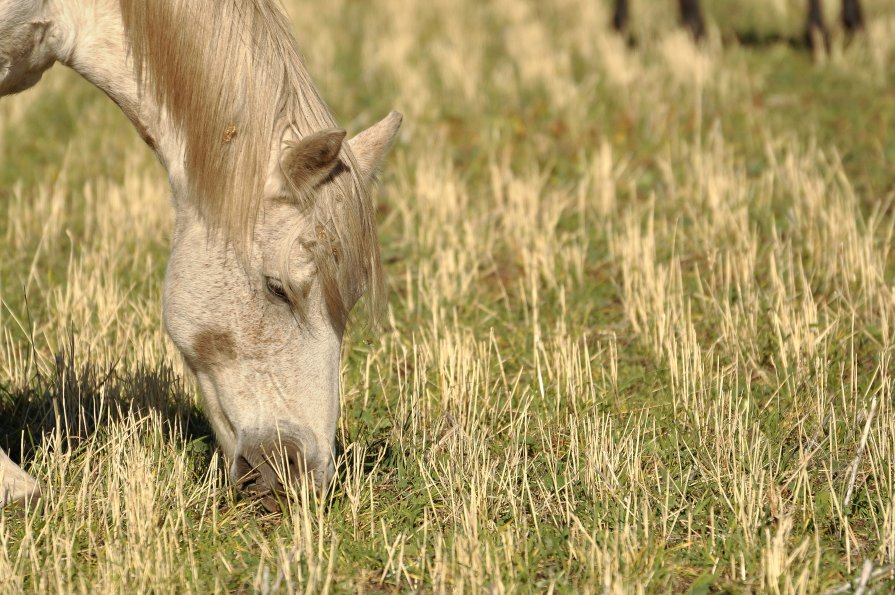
<point x="25" y="50"/>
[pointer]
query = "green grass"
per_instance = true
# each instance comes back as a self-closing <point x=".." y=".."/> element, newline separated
<point x="635" y="327"/>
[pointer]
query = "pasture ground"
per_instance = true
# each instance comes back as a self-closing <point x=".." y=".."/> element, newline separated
<point x="640" y="335"/>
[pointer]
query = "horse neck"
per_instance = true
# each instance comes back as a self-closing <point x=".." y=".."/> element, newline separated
<point x="88" y="37"/>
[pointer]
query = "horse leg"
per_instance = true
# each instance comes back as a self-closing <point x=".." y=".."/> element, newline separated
<point x="620" y="16"/>
<point x="15" y="484"/>
<point x="691" y="18"/>
<point x="815" y="27"/>
<point x="852" y="16"/>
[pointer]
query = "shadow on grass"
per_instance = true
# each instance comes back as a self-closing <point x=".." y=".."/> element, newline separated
<point x="761" y="39"/>
<point x="79" y="400"/>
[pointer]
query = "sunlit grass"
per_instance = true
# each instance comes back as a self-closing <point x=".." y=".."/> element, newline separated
<point x="639" y="336"/>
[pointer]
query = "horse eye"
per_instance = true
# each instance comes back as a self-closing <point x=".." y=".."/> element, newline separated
<point x="276" y="289"/>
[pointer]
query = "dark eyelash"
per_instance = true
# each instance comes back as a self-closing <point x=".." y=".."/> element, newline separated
<point x="276" y="289"/>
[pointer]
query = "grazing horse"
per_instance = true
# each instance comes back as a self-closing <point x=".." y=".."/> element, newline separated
<point x="815" y="25"/>
<point x="275" y="239"/>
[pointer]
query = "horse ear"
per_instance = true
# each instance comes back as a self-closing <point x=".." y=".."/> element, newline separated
<point x="308" y="161"/>
<point x="371" y="146"/>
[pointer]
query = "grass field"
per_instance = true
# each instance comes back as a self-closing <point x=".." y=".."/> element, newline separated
<point x="640" y="333"/>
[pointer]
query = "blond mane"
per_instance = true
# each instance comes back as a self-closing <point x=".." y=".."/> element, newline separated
<point x="229" y="75"/>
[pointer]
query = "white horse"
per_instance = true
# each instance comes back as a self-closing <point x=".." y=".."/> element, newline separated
<point x="274" y="239"/>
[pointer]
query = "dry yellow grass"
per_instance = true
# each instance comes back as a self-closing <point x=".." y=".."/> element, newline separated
<point x="639" y="339"/>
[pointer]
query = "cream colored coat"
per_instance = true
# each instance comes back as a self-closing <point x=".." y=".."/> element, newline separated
<point x="270" y="251"/>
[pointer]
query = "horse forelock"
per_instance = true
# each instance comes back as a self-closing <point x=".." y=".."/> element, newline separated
<point x="230" y="77"/>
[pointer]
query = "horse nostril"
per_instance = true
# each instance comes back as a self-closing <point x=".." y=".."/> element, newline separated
<point x="267" y="469"/>
<point x="243" y="472"/>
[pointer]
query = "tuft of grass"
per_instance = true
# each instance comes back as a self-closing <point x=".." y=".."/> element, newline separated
<point x="639" y="337"/>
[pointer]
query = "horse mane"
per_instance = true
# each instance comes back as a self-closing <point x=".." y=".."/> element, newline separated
<point x="229" y="75"/>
